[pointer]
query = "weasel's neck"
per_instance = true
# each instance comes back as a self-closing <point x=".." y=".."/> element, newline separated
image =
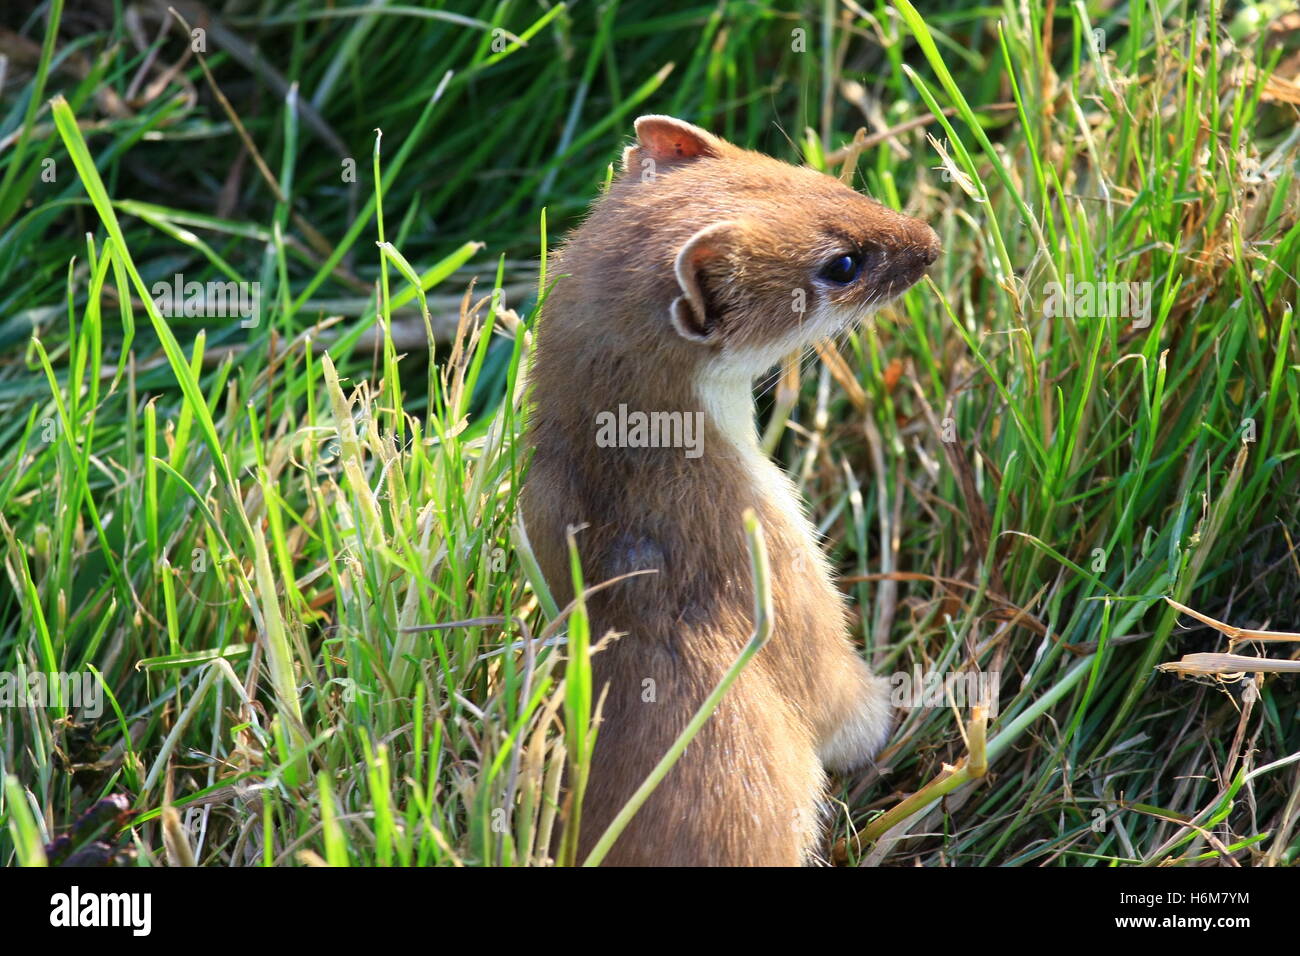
<point x="728" y="402"/>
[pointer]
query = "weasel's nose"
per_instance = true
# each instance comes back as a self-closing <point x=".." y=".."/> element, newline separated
<point x="928" y="246"/>
<point x="917" y="250"/>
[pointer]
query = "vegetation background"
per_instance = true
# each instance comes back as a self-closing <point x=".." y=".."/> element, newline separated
<point x="231" y="524"/>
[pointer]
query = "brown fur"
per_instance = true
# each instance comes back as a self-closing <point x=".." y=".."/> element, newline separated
<point x="676" y="292"/>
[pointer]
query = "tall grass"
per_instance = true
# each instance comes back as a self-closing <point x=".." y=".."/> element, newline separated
<point x="287" y="549"/>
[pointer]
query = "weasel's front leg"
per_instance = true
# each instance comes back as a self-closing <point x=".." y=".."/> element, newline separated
<point x="862" y="722"/>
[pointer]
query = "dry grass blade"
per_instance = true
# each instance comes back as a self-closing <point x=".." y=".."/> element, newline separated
<point x="841" y="372"/>
<point x="175" y="840"/>
<point x="1226" y="664"/>
<point x="1236" y="634"/>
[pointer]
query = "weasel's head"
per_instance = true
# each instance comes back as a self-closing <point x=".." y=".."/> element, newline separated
<point x="741" y="255"/>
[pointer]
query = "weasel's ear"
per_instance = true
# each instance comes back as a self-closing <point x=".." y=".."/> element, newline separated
<point x="694" y="313"/>
<point x="668" y="140"/>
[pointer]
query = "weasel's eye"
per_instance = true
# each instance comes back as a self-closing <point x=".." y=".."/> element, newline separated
<point x="842" y="269"/>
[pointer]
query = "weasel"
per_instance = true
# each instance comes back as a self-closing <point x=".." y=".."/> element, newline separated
<point x="702" y="266"/>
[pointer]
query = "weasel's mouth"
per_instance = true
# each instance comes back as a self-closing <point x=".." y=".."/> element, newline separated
<point x="846" y="315"/>
<point x="895" y="272"/>
<point x="898" y="269"/>
<point x="904" y="269"/>
<point x="827" y="320"/>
